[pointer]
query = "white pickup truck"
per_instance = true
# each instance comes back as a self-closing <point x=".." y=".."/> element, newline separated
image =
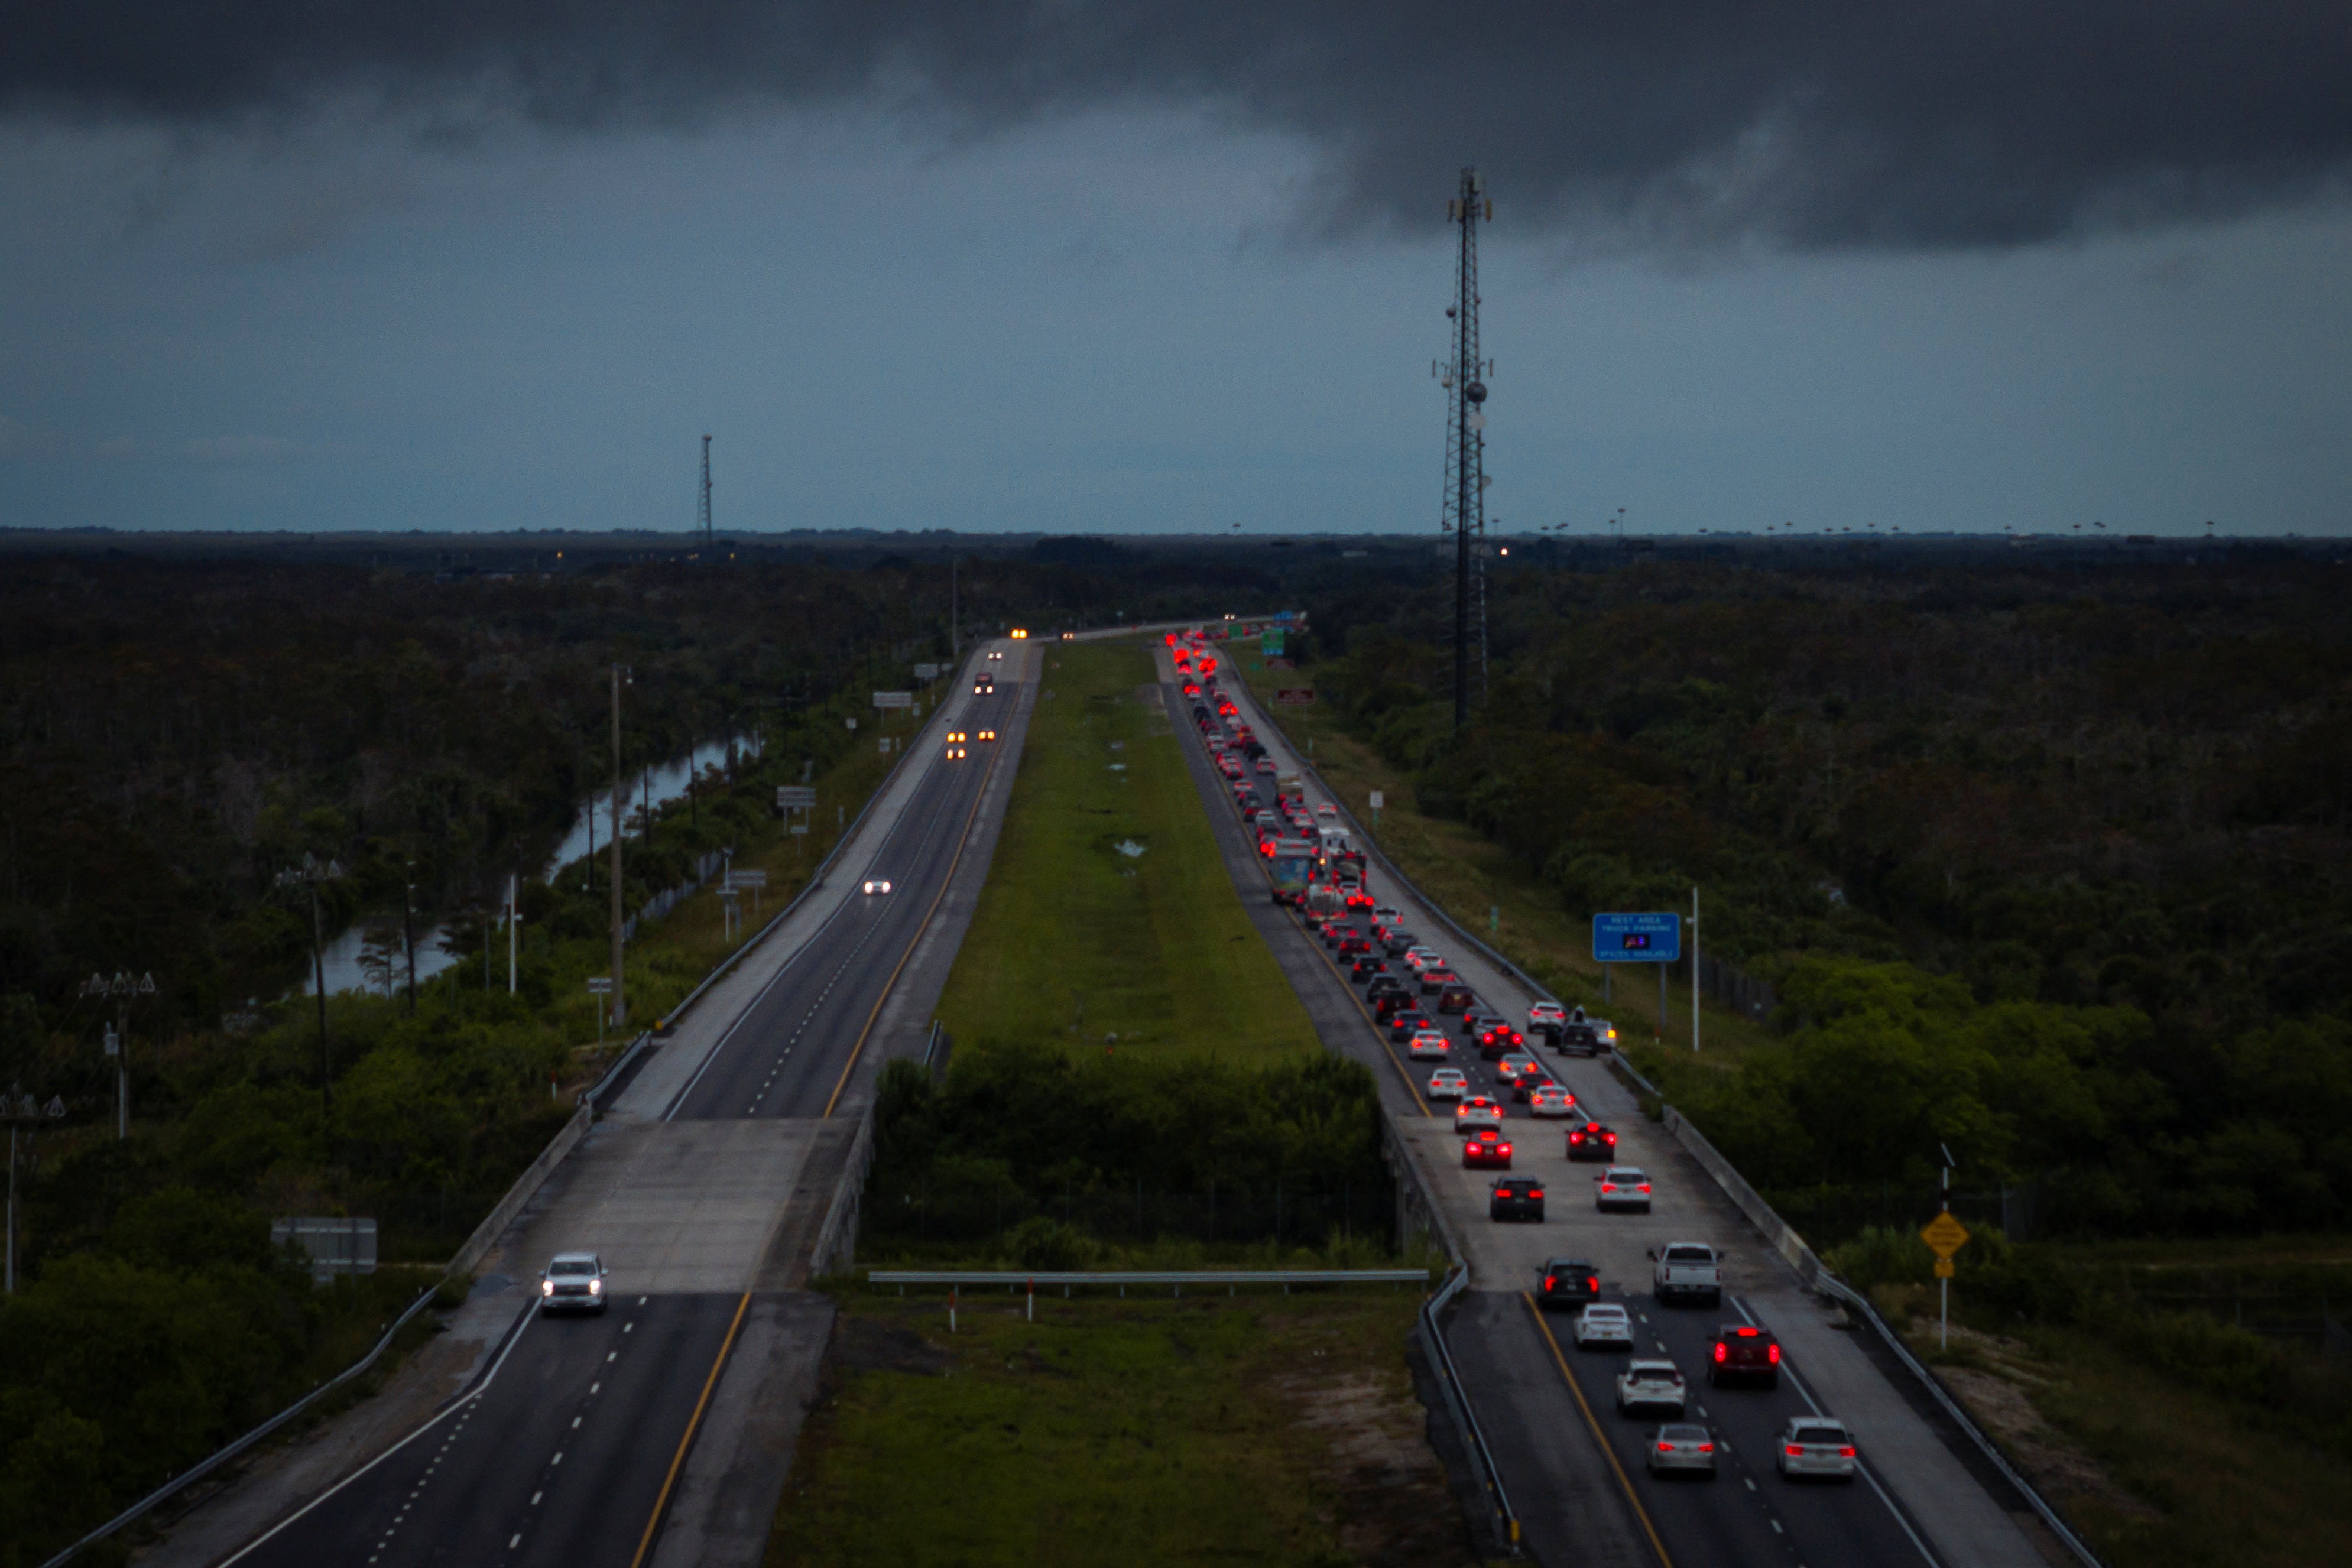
<point x="1682" y="1269"/>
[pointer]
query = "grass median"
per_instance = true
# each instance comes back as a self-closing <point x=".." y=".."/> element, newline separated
<point x="1259" y="1429"/>
<point x="1108" y="921"/>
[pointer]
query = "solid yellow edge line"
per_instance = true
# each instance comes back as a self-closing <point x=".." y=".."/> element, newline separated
<point x="693" y="1425"/>
<point x="1597" y="1436"/>
<point x="891" y="983"/>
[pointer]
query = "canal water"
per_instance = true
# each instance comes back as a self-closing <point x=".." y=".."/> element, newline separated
<point x="660" y="784"/>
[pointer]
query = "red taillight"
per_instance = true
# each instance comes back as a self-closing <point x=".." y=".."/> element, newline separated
<point x="1772" y="1355"/>
<point x="1665" y="1448"/>
<point x="1506" y="1149"/>
<point x="1551" y="1282"/>
<point x="1707" y="1447"/>
<point x="1722" y="1352"/>
<point x="1746" y="1333"/>
<point x="1593" y="1284"/>
<point x="1538" y="1192"/>
<point x="1846" y="1453"/>
<point x="1645" y="1186"/>
<point x="1796" y="1452"/>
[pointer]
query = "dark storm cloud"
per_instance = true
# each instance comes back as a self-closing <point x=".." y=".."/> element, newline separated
<point x="1815" y="124"/>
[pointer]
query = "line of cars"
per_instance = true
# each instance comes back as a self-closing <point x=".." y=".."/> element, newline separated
<point x="1412" y="993"/>
<point x="1737" y="1353"/>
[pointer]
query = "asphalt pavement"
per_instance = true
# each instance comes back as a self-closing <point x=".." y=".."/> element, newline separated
<point x="577" y="1437"/>
<point x="1573" y="1467"/>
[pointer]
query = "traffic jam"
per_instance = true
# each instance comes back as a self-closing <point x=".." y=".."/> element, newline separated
<point x="1485" y="1071"/>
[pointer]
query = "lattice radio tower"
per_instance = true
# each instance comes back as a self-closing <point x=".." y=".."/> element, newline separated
<point x="703" y="518"/>
<point x="1464" y="513"/>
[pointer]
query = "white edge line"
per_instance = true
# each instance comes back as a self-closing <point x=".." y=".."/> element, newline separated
<point x="1807" y="1395"/>
<point x="451" y="1409"/>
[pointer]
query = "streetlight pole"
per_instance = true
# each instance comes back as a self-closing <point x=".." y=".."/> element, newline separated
<point x="408" y="936"/>
<point x="121" y="987"/>
<point x="309" y="874"/>
<point x="620" y="994"/>
<point x="19" y="1111"/>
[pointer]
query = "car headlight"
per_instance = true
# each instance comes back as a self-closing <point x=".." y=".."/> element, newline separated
<point x="547" y="1287"/>
<point x="595" y="1287"/>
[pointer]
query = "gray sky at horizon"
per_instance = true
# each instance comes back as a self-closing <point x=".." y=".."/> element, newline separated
<point x="1116" y="313"/>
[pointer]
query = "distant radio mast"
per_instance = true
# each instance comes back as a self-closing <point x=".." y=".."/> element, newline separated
<point x="1464" y="513"/>
<point x="704" y="520"/>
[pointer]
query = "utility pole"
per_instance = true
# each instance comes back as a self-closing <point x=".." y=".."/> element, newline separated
<point x="704" y="518"/>
<point x="1695" y="970"/>
<point x="620" y="994"/>
<point x="408" y="936"/>
<point x="309" y="874"/>
<point x="1463" y="512"/>
<point x="955" y="611"/>
<point x="514" y="922"/>
<point x="21" y="1113"/>
<point x="121" y="987"/>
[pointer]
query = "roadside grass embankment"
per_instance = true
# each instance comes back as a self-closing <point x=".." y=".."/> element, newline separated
<point x="1481" y="886"/>
<point x="2122" y="1378"/>
<point x="1257" y="1429"/>
<point x="1109" y="922"/>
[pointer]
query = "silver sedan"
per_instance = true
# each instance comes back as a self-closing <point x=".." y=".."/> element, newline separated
<point x="1816" y="1446"/>
<point x="1682" y="1448"/>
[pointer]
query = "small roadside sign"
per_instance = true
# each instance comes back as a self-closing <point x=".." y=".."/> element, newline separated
<point x="1378" y="800"/>
<point x="1295" y="696"/>
<point x="1943" y="1268"/>
<point x="1637" y="938"/>
<point x="894" y="699"/>
<point x="798" y="828"/>
<point x="747" y="879"/>
<point x="795" y="796"/>
<point x="601" y="984"/>
<point x="1945" y="1236"/>
<point x="927" y="672"/>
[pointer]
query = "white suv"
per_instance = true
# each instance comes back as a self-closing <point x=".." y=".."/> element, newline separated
<point x="574" y="1283"/>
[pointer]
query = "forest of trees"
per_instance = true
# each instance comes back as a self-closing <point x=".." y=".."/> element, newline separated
<point x="2052" y="860"/>
<point x="174" y="735"/>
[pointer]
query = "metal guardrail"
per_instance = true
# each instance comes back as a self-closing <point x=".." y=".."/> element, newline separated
<point x="206" y="1466"/>
<point x="816" y="877"/>
<point x="1176" y="1277"/>
<point x="1815" y="1274"/>
<point x="1457" y="1400"/>
<point x="1388" y="866"/>
<point x="1830" y="1284"/>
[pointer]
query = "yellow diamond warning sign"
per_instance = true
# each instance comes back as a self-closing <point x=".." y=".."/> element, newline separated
<point x="1945" y="1236"/>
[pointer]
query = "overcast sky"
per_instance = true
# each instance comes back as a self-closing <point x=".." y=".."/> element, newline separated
<point x="1134" y="267"/>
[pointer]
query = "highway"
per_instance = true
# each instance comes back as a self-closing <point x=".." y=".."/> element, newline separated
<point x="571" y="1441"/>
<point x="1572" y="1465"/>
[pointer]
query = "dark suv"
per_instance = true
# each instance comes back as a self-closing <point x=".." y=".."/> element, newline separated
<point x="1740" y="1352"/>
<point x="1568" y="1282"/>
<point x="1591" y="1141"/>
<point x="1515" y="1198"/>
<point x="1576" y="1039"/>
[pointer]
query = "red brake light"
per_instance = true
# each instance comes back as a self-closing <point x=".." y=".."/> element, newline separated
<point x="1551" y="1282"/>
<point x="1645" y="1186"/>
<point x="1722" y="1350"/>
<point x="1846" y="1453"/>
<point x="1772" y="1355"/>
<point x="1796" y="1451"/>
<point x="1538" y="1192"/>
<point x="1707" y="1447"/>
<point x="1593" y="1283"/>
<point x="1665" y="1448"/>
<point x="1747" y="1333"/>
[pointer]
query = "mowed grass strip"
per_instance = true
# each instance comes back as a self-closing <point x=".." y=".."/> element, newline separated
<point x="1077" y="938"/>
<point x="1267" y="1430"/>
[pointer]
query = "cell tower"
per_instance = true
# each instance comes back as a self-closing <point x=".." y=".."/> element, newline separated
<point x="704" y="518"/>
<point x="1464" y="513"/>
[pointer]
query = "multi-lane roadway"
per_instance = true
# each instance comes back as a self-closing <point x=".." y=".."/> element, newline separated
<point x="571" y="1442"/>
<point x="1572" y="1465"/>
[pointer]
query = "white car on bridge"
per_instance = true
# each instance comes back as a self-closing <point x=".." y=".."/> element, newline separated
<point x="1603" y="1322"/>
<point x="1448" y="1083"/>
<point x="1429" y="1045"/>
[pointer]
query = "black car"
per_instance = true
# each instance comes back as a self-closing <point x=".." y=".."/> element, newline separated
<point x="1405" y="1020"/>
<point x="1337" y="932"/>
<point x="1366" y="968"/>
<point x="1397" y="944"/>
<point x="1576" y="1039"/>
<point x="1386" y="985"/>
<point x="1480" y="1018"/>
<point x="1568" y="1282"/>
<point x="1591" y="1141"/>
<point x="1515" y="1198"/>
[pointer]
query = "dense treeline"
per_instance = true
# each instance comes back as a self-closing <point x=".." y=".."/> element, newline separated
<point x="2052" y="863"/>
<point x="172" y="736"/>
<point x="1050" y="1162"/>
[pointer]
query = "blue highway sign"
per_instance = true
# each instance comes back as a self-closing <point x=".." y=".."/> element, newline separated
<point x="1637" y="938"/>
